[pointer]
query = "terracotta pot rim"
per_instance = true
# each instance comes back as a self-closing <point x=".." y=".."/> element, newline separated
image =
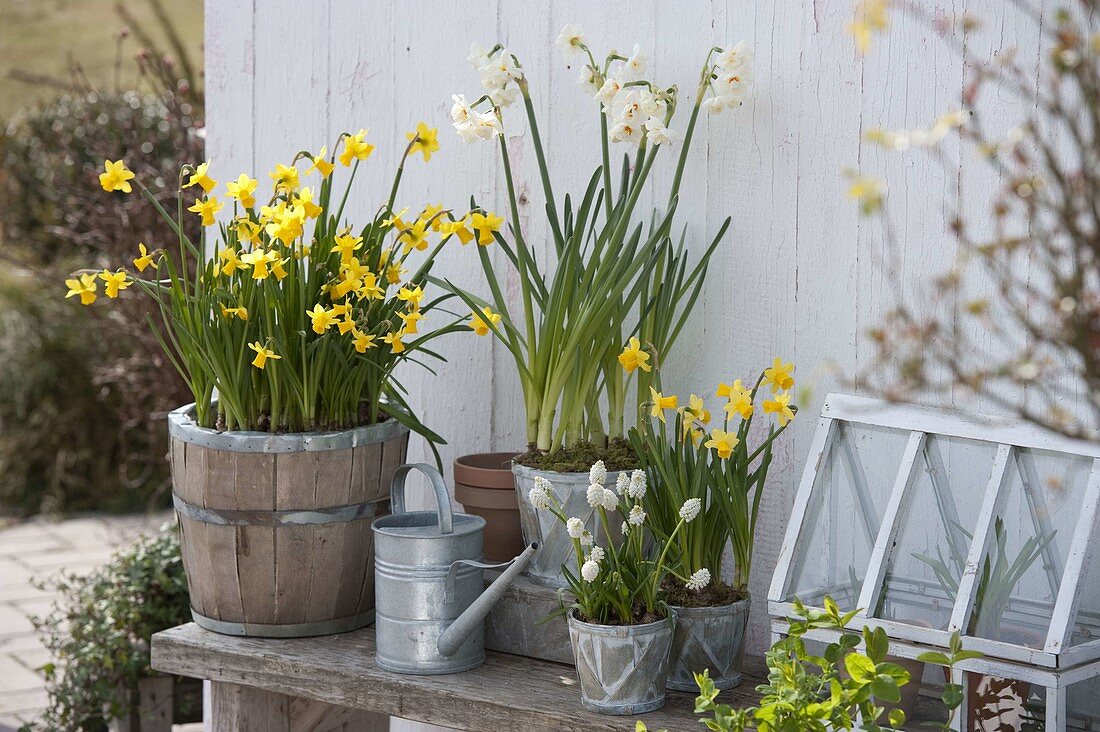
<point x="468" y="471"/>
<point x="499" y="499"/>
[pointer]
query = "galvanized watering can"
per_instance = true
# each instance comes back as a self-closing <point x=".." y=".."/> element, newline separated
<point x="430" y="594"/>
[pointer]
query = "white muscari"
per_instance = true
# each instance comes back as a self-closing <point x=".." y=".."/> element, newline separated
<point x="622" y="483"/>
<point x="594" y="495"/>
<point x="575" y="527"/>
<point x="699" y="580"/>
<point x="625" y="528"/>
<point x="597" y="474"/>
<point x="637" y="485"/>
<point x="590" y="571"/>
<point x="609" y="500"/>
<point x="587" y="540"/>
<point x="540" y="494"/>
<point x="637" y="516"/>
<point x="690" y="509"/>
<point x="596" y="554"/>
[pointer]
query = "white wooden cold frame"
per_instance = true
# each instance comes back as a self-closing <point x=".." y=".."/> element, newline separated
<point x="1057" y="664"/>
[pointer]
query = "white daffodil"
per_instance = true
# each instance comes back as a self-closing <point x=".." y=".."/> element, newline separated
<point x="714" y="105"/>
<point x="597" y="474"/>
<point x="596" y="554"/>
<point x="627" y="132"/>
<point x="607" y="92"/>
<point x="657" y="132"/>
<point x="732" y="87"/>
<point x="477" y="57"/>
<point x="590" y="571"/>
<point x="461" y="113"/>
<point x="637" y="516"/>
<point x="735" y="58"/>
<point x="637" y="485"/>
<point x="500" y="70"/>
<point x="699" y="580"/>
<point x="690" y="509"/>
<point x="575" y="527"/>
<point x="589" y="80"/>
<point x="570" y="40"/>
<point x="634" y="67"/>
<point x="504" y="97"/>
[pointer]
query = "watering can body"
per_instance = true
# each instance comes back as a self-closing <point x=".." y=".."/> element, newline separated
<point x="430" y="594"/>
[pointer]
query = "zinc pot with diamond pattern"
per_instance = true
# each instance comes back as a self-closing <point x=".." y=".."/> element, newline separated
<point x="540" y="527"/>
<point x="708" y="638"/>
<point x="622" y="668"/>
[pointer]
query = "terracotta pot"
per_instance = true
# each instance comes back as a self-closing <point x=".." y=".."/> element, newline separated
<point x="485" y="487"/>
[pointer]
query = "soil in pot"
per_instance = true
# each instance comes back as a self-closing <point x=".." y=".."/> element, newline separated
<point x="617" y="455"/>
<point x="485" y="486"/>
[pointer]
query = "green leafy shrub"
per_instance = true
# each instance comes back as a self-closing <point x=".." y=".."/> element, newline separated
<point x="98" y="634"/>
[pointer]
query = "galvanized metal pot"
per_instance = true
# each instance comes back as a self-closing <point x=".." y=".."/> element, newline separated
<point x="555" y="546"/>
<point x="708" y="638"/>
<point x="622" y="668"/>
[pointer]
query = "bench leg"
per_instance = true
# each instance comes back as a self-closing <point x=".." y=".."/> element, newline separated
<point x="236" y="708"/>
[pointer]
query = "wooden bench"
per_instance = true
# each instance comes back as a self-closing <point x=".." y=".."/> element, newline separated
<point x="332" y="683"/>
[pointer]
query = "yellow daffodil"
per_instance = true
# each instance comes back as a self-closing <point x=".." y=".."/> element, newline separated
<point x="361" y="340"/>
<point x="305" y="200"/>
<point x="247" y="230"/>
<point x="321" y="163"/>
<point x="411" y="295"/>
<point x="433" y="213"/>
<point x="633" y="357"/>
<point x="394" y="272"/>
<point x="114" y="282"/>
<point x="661" y="403"/>
<point x="415" y="236"/>
<point x="341" y="309"/>
<point x="738" y="398"/>
<point x="347" y="245"/>
<point x="243" y="189"/>
<point x="778" y="376"/>
<point x="84" y="286"/>
<point x="322" y="319"/>
<point x="409" y="319"/>
<point x="480" y="322"/>
<point x="355" y="148"/>
<point x="259" y="260"/>
<point x="207" y="208"/>
<point x="692" y="432"/>
<point x="779" y="405"/>
<point x="870" y="17"/>
<point x="240" y="313"/>
<point x="116" y="176"/>
<point x="458" y="228"/>
<point x="698" y="410"/>
<point x="369" y="289"/>
<point x="145" y="260"/>
<point x="349" y="282"/>
<point x="485" y="224"/>
<point x="287" y="223"/>
<point x="201" y="179"/>
<point x="285" y="178"/>
<point x="393" y="339"/>
<point x="395" y="220"/>
<point x="230" y="262"/>
<point x="868" y="191"/>
<point x="277" y="268"/>
<point x="346" y="323"/>
<point x="424" y="140"/>
<point x="262" y="354"/>
<point x="722" y="442"/>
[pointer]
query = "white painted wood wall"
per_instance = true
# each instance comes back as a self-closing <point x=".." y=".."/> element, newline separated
<point x="798" y="276"/>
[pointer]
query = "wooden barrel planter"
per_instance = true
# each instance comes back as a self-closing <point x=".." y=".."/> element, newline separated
<point x="275" y="529"/>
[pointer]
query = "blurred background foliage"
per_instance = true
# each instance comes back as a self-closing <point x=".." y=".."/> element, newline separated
<point x="84" y="391"/>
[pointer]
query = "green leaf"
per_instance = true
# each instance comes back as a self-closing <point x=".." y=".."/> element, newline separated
<point x="934" y="657"/>
<point x="860" y="668"/>
<point x="952" y="695"/>
<point x="896" y="718"/>
<point x="877" y="644"/>
<point x="885" y="688"/>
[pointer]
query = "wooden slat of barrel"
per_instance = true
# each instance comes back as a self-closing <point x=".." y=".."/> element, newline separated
<point x="187" y="530"/>
<point x="394" y="453"/>
<point x="330" y="541"/>
<point x="220" y="492"/>
<point x="366" y="479"/>
<point x="295" y="488"/>
<point x="255" y="550"/>
<point x="194" y="481"/>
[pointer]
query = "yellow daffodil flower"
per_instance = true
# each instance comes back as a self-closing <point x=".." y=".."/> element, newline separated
<point x="415" y="236"/>
<point x="201" y="179"/>
<point x="116" y="176"/>
<point x="395" y="220"/>
<point x="458" y="228"/>
<point x="114" y="282"/>
<point x="722" y="442"/>
<point x="698" y="410"/>
<point x="779" y="405"/>
<point x="480" y="322"/>
<point x="262" y="354"/>
<point x="355" y="148"/>
<point x="411" y="295"/>
<point x="259" y="259"/>
<point x="868" y="191"/>
<point x="394" y="272"/>
<point x="346" y="323"/>
<point x="341" y="309"/>
<point x="84" y="286"/>
<point x="305" y="200"/>
<point x="287" y="224"/>
<point x="206" y="208"/>
<point x="230" y="262"/>
<point x="347" y="245"/>
<point x="870" y="17"/>
<point x="322" y="319"/>
<point x="321" y="163"/>
<point x="361" y="340"/>
<point x="243" y="189"/>
<point x="145" y="260"/>
<point x="738" y="398"/>
<point x="247" y="230"/>
<point x="661" y="403"/>
<point x="241" y="313"/>
<point x="485" y="224"/>
<point x="277" y="268"/>
<point x="410" y="319"/>
<point x="433" y="213"/>
<point x="779" y="375"/>
<point x="633" y="357"/>
<point x="393" y="339"/>
<point x="424" y="140"/>
<point x="369" y="289"/>
<point x="285" y="178"/>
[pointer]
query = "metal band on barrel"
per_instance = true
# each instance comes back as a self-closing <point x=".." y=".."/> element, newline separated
<point x="273" y="519"/>
<point x="285" y="630"/>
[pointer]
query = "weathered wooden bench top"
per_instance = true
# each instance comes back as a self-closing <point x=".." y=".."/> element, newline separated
<point x="506" y="693"/>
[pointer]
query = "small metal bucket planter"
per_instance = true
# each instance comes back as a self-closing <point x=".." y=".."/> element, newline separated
<point x="555" y="546"/>
<point x="710" y="638"/>
<point x="622" y="668"/>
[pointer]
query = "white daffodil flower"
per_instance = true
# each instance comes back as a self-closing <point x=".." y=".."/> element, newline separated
<point x="735" y="58"/>
<point x="657" y="132"/>
<point x="477" y="57"/>
<point x="570" y="40"/>
<point x="627" y="132"/>
<point x="589" y="80"/>
<point x="634" y="67"/>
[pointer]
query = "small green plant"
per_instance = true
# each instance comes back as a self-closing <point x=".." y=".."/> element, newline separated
<point x="98" y="633"/>
<point x="837" y="690"/>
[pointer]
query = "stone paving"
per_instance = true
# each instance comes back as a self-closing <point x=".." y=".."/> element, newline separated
<point x="36" y="550"/>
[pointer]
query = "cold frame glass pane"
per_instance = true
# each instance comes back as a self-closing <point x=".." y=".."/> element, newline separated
<point x="849" y="496"/>
<point x="1086" y="624"/>
<point x="935" y="529"/>
<point x="1022" y="570"/>
<point x="1083" y="705"/>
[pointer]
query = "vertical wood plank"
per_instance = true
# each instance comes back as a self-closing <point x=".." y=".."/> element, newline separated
<point x="330" y="541"/>
<point x="195" y="486"/>
<point x="295" y="488"/>
<point x="255" y="479"/>
<point x="221" y="541"/>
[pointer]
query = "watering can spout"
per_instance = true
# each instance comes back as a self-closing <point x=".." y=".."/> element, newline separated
<point x="451" y="639"/>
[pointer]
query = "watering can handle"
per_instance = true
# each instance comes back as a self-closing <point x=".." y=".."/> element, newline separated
<point x="442" y="498"/>
<point x="452" y="574"/>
